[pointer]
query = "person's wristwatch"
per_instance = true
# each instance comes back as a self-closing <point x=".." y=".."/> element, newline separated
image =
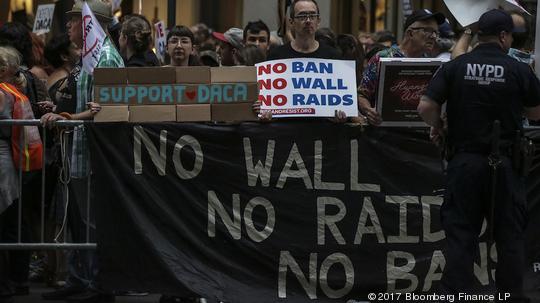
<point x="468" y="31"/>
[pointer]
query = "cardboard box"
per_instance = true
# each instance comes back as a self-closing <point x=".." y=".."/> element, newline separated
<point x="117" y="113"/>
<point x="193" y="113"/>
<point x="233" y="112"/>
<point x="110" y="75"/>
<point x="169" y="94"/>
<point x="137" y="94"/>
<point x="234" y="74"/>
<point x="152" y="113"/>
<point x="193" y="74"/>
<point x="151" y="75"/>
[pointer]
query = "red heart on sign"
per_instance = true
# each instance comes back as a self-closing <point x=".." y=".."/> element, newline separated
<point x="191" y="95"/>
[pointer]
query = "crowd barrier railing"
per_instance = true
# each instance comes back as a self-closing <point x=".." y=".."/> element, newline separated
<point x="41" y="243"/>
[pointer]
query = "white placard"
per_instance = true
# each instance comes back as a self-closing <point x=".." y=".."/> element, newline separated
<point x="468" y="12"/>
<point x="44" y="18"/>
<point x="306" y="87"/>
<point x="160" y="43"/>
<point x="93" y="37"/>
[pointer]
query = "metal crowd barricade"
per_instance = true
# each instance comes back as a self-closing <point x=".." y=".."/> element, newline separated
<point x="41" y="245"/>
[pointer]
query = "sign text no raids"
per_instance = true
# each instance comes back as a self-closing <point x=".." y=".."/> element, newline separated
<point x="306" y="87"/>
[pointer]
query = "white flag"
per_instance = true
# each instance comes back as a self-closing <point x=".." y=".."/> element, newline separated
<point x="93" y="37"/>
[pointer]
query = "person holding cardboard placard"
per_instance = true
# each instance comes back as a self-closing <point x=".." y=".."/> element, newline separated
<point x="486" y="93"/>
<point x="421" y="30"/>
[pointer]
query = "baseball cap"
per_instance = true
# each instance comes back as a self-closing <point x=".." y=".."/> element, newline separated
<point x="423" y="14"/>
<point x="234" y="36"/>
<point x="102" y="10"/>
<point x="446" y="30"/>
<point x="495" y="21"/>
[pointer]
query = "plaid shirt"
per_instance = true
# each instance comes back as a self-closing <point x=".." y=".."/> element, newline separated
<point x="85" y="93"/>
<point x="370" y="79"/>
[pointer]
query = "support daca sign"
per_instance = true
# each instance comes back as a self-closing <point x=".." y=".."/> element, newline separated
<point x="306" y="87"/>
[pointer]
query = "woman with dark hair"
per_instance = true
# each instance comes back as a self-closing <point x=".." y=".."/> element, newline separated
<point x="62" y="55"/>
<point x="180" y="47"/>
<point x="135" y="41"/>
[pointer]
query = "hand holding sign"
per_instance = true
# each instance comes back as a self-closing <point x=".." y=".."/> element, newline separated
<point x="306" y="87"/>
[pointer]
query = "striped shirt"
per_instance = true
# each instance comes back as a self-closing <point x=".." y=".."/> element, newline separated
<point x="80" y="160"/>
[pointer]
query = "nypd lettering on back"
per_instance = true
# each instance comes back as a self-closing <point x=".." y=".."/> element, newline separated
<point x="485" y="74"/>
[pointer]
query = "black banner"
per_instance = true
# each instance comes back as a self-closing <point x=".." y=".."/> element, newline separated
<point x="294" y="211"/>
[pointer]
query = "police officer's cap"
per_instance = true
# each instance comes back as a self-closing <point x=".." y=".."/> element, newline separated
<point x="495" y="21"/>
<point x="424" y="14"/>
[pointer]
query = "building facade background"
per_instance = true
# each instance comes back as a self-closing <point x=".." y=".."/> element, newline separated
<point x="343" y="16"/>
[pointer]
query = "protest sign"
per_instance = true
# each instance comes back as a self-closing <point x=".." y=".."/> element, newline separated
<point x="160" y="43"/>
<point x="294" y="212"/>
<point x="44" y="17"/>
<point x="468" y="12"/>
<point x="402" y="83"/>
<point x="306" y="87"/>
<point x="93" y="37"/>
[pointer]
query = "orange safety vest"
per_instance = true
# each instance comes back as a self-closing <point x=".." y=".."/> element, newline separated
<point x="31" y="151"/>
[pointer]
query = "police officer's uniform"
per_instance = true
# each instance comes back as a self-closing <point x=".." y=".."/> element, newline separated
<point x="480" y="87"/>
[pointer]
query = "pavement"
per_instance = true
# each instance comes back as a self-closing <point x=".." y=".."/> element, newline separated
<point x="36" y="289"/>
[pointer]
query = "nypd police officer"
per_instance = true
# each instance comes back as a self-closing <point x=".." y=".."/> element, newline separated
<point x="480" y="88"/>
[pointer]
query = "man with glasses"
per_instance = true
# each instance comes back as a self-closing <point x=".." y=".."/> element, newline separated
<point x="180" y="42"/>
<point x="421" y="31"/>
<point x="304" y="20"/>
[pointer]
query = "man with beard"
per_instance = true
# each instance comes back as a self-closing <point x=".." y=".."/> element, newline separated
<point x="421" y="31"/>
<point x="304" y="20"/>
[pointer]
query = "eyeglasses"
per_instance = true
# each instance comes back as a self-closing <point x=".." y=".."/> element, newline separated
<point x="305" y="17"/>
<point x="428" y="31"/>
<point x="175" y="41"/>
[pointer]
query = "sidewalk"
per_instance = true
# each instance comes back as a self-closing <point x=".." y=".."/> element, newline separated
<point x="36" y="289"/>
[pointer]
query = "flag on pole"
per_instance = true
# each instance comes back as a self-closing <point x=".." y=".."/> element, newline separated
<point x="93" y="37"/>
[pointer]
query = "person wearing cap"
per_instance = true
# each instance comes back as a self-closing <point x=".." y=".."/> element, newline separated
<point x="444" y="43"/>
<point x="230" y="42"/>
<point x="479" y="88"/>
<point x="421" y="30"/>
<point x="81" y="283"/>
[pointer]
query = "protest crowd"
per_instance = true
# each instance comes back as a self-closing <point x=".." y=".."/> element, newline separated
<point x="42" y="77"/>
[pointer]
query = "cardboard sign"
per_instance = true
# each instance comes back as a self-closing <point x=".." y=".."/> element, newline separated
<point x="402" y="83"/>
<point x="306" y="87"/>
<point x="167" y="94"/>
<point x="160" y="43"/>
<point x="44" y="18"/>
<point x="93" y="37"/>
